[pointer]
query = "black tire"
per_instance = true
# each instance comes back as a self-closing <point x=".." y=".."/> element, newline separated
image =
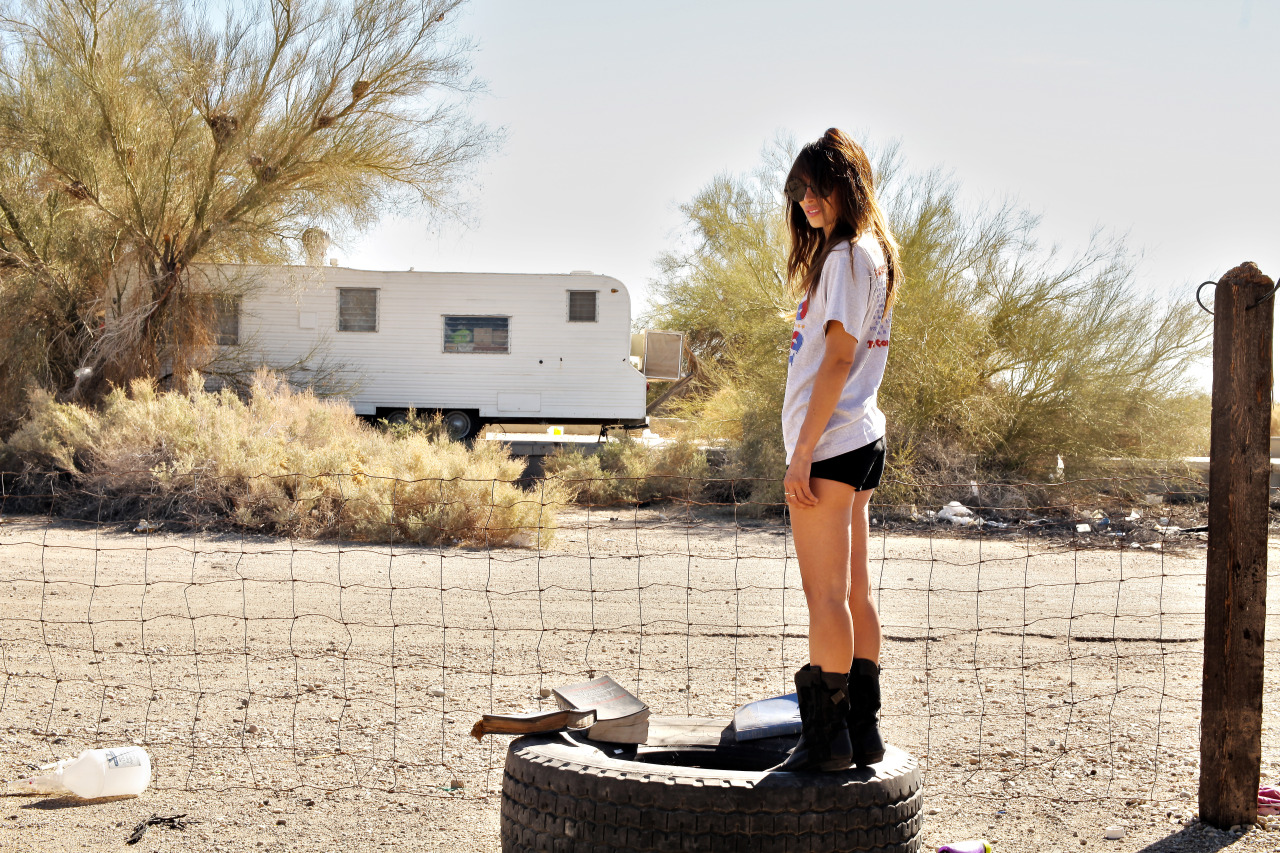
<point x="563" y="793"/>
<point x="460" y="424"/>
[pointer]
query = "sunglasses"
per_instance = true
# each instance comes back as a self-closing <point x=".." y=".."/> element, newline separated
<point x="796" y="190"/>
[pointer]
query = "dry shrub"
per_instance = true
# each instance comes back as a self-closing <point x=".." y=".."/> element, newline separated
<point x="629" y="471"/>
<point x="283" y="462"/>
<point x="931" y="473"/>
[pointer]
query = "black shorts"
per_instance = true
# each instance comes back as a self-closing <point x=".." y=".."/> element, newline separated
<point x="861" y="468"/>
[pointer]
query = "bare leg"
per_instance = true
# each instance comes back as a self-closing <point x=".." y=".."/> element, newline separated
<point x="862" y="606"/>
<point x="822" y="546"/>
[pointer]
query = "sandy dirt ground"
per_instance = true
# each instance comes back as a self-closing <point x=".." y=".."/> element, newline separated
<point x="298" y="695"/>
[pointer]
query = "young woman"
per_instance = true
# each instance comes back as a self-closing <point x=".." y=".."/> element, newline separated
<point x="843" y="267"/>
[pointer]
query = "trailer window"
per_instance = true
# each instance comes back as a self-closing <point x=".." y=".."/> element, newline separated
<point x="357" y="309"/>
<point x="582" y="306"/>
<point x="475" y="334"/>
<point x="226" y="320"/>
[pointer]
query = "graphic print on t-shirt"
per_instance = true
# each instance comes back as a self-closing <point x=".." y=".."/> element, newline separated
<point x="797" y="338"/>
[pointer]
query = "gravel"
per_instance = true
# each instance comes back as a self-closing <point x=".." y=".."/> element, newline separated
<point x="311" y="694"/>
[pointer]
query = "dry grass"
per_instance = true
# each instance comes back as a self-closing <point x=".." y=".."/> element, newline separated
<point x="282" y="462"/>
<point x="629" y="471"/>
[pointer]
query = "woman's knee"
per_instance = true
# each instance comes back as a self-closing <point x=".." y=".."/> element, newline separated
<point x="827" y="598"/>
<point x="862" y="601"/>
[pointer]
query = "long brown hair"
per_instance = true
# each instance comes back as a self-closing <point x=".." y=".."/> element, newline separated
<point x="836" y="165"/>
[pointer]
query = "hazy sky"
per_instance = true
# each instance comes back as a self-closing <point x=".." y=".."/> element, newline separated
<point x="1160" y="120"/>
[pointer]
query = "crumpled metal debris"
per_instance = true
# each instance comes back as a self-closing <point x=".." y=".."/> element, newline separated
<point x="173" y="821"/>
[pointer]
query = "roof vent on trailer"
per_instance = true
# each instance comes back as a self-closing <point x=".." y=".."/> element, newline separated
<point x="582" y="272"/>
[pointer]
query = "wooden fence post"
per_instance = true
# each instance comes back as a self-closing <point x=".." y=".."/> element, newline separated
<point x="1235" y="594"/>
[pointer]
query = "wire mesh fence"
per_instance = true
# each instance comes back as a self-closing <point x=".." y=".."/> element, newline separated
<point x="1048" y="647"/>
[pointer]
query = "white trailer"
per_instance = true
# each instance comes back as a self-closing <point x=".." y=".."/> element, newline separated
<point x="477" y="347"/>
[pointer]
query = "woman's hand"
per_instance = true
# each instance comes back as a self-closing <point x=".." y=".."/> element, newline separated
<point x="796" y="482"/>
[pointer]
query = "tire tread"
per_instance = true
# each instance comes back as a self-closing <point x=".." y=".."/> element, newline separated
<point x="552" y="802"/>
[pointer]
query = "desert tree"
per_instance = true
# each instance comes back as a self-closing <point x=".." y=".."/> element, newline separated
<point x="1004" y="351"/>
<point x="140" y="140"/>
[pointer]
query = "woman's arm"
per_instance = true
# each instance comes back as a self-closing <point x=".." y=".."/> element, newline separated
<point x="828" y="385"/>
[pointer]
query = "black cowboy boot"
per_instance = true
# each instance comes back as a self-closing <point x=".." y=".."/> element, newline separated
<point x="864" y="706"/>
<point x="824" y="734"/>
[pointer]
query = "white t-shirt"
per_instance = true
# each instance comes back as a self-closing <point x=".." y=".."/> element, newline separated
<point x="852" y="290"/>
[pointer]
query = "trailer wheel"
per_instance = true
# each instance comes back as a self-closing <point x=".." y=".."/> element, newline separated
<point x="563" y="792"/>
<point x="460" y="425"/>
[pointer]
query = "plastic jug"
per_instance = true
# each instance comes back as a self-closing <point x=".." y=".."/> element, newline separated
<point x="121" y="772"/>
<point x="973" y="845"/>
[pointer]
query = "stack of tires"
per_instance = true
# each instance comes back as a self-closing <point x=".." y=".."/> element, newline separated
<point x="562" y="792"/>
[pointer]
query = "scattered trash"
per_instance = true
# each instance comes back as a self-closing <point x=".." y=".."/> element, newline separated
<point x="173" y="821"/>
<point x="973" y="845"/>
<point x="1153" y="500"/>
<point x="145" y="526"/>
<point x="436" y="691"/>
<point x="121" y="772"/>
<point x="1114" y="833"/>
<point x="959" y="514"/>
<point x="1268" y="800"/>
<point x="1083" y="528"/>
